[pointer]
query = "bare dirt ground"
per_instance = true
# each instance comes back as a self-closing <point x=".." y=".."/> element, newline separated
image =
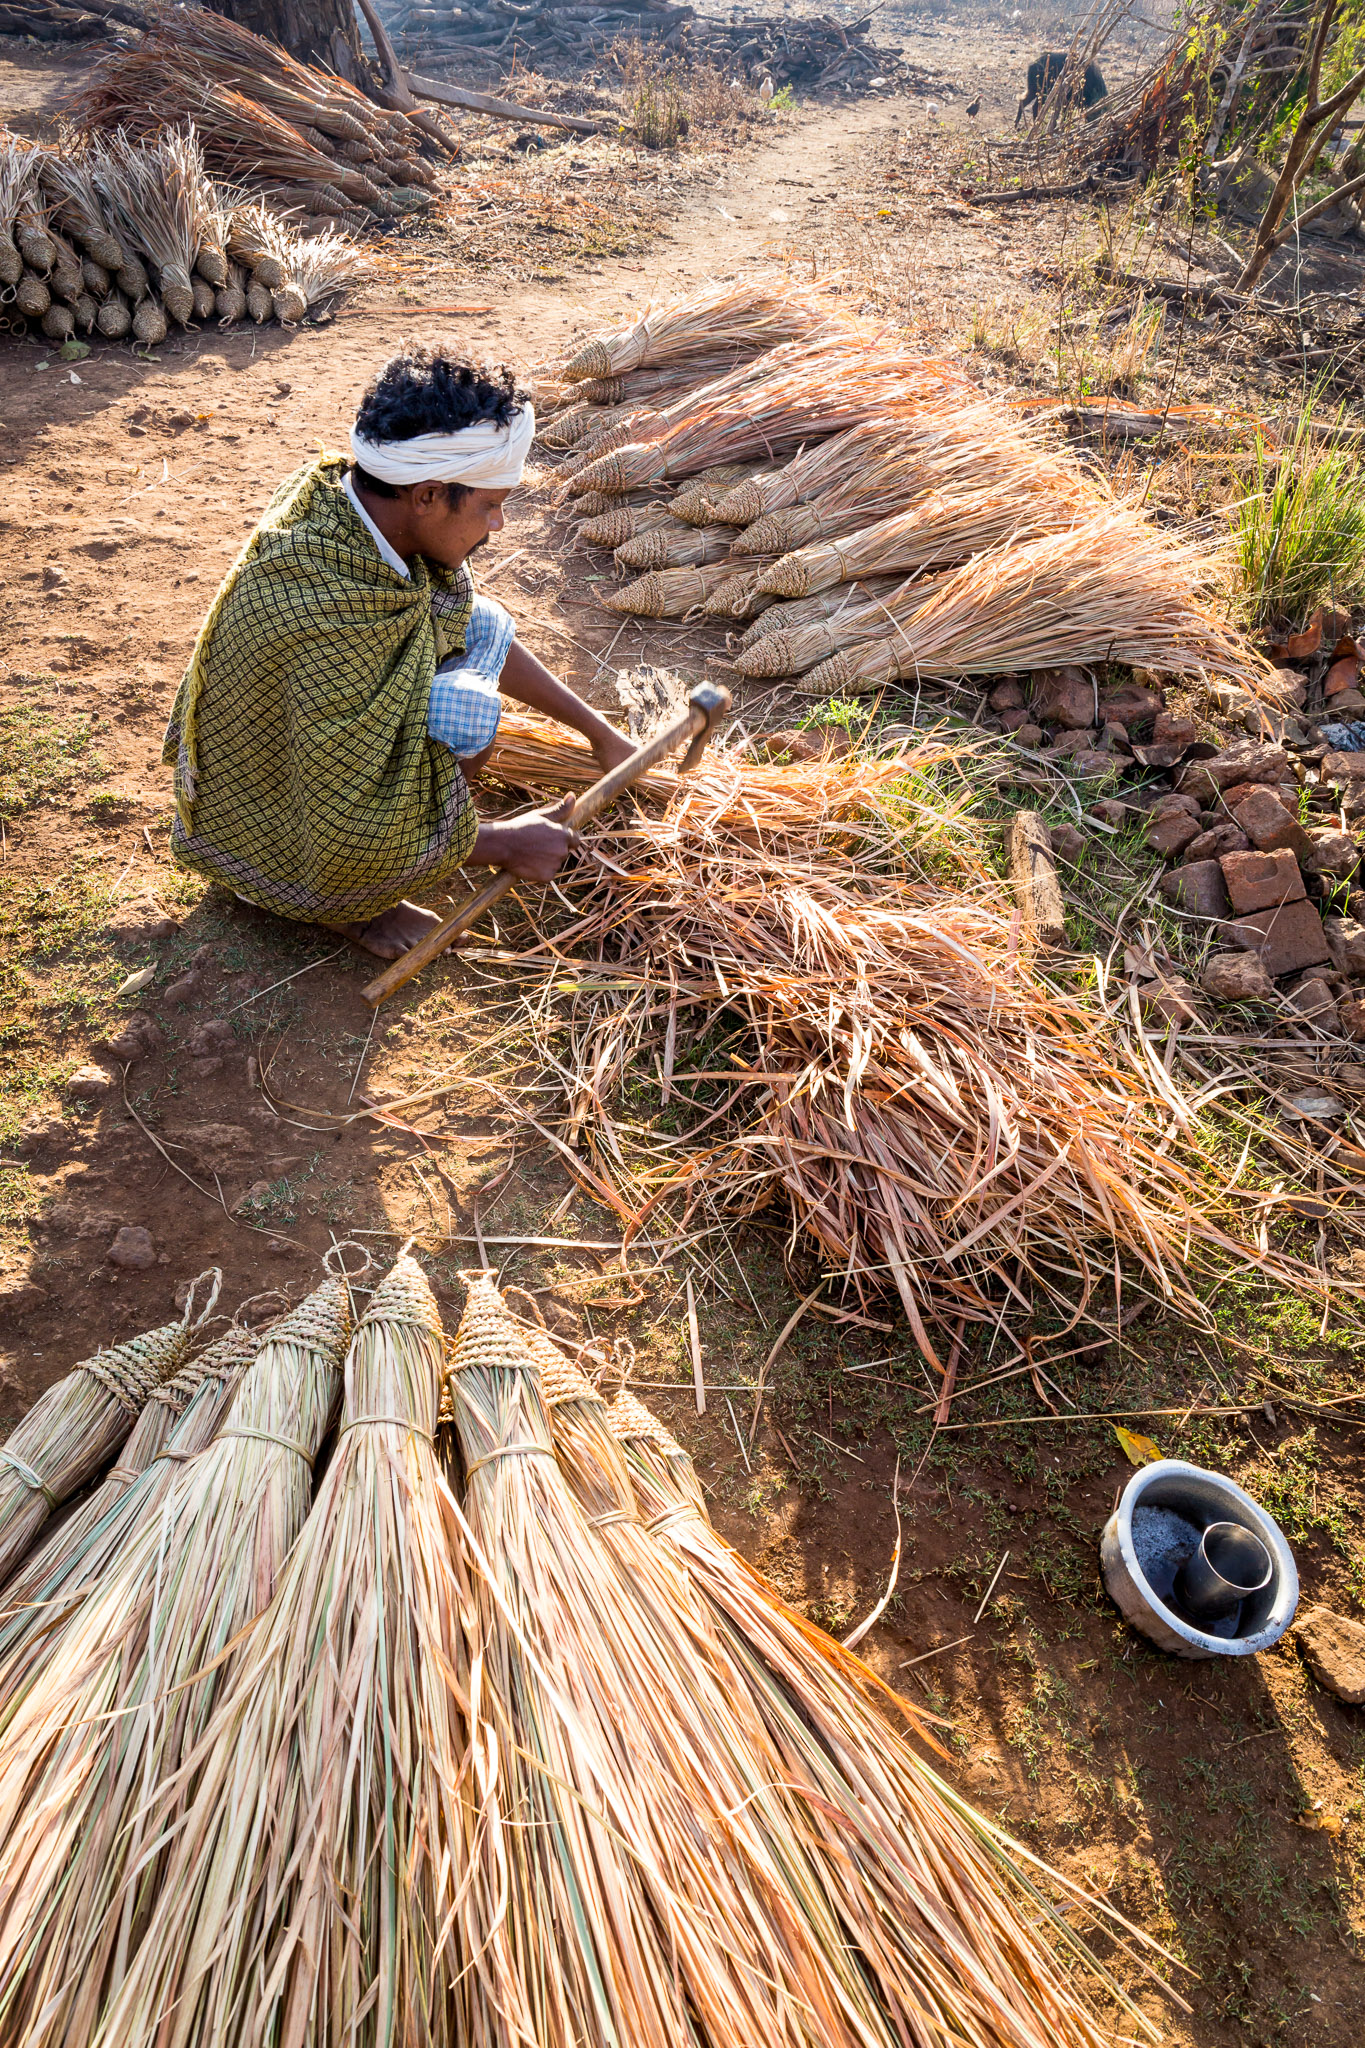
<point x="1220" y="1806"/>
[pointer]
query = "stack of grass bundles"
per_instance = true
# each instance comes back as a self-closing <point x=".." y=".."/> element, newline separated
<point x="126" y="1684"/>
<point x="951" y="437"/>
<point x="799" y="393"/>
<point x="73" y="1429"/>
<point x="319" y="1835"/>
<point x="726" y="319"/>
<point x="939" y="1119"/>
<point x="180" y="1417"/>
<point x="621" y="522"/>
<point x="1105" y="590"/>
<point x="699" y="1912"/>
<point x="880" y="1927"/>
<point x="960" y="1933"/>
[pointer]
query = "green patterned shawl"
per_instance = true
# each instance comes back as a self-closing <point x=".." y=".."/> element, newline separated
<point x="304" y="777"/>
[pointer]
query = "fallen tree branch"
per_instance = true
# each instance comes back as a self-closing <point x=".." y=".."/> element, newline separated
<point x="408" y="88"/>
<point x="1103" y="188"/>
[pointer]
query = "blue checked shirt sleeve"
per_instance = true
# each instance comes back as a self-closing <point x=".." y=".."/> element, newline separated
<point x="465" y="707"/>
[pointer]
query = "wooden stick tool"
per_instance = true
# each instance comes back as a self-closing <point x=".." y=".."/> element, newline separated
<point x="707" y="703"/>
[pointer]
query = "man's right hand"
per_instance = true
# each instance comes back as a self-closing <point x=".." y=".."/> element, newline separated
<point x="534" y="848"/>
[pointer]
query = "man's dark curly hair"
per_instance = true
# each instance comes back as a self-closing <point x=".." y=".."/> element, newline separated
<point x="427" y="391"/>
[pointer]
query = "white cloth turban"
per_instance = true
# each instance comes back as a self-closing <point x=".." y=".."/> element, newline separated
<point x="485" y="457"/>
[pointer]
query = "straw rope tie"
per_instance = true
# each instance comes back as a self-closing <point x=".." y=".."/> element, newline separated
<point x="130" y="1386"/>
<point x="671" y="1517"/>
<point x="285" y="1443"/>
<point x="615" y="1515"/>
<point x="509" y="1451"/>
<point x="28" y="1475"/>
<point x="385" y="1421"/>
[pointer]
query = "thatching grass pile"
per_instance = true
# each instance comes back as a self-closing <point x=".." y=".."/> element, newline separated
<point x="939" y="1118"/>
<point x="841" y="456"/>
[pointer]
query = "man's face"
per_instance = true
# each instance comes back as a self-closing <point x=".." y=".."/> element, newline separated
<point x="446" y="534"/>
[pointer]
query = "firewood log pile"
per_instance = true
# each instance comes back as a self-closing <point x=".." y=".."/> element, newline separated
<point x="814" y="53"/>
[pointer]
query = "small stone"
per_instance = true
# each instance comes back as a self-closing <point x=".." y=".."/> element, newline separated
<point x="1062" y="696"/>
<point x="1029" y="735"/>
<point x="19" y="1297"/>
<point x="1080" y="740"/>
<point x="1349" y="705"/>
<point x="1176" y="800"/>
<point x="1006" y="696"/>
<point x="1171" y="730"/>
<point x="1352" y="1016"/>
<point x="1109" y="811"/>
<point x="41" y="1133"/>
<point x="1068" y="841"/>
<point x="1286" y="686"/>
<point x="1333" y="1648"/>
<point x="137" y="923"/>
<point x="1346" y="938"/>
<point x="1343" y="767"/>
<point x="1248" y="761"/>
<point x="1173" y="1000"/>
<point x="133" y="1248"/>
<point x="1114" y="739"/>
<point x="1261" y="881"/>
<point x="1196" y="887"/>
<point x="1268" y="824"/>
<point x="183" y="990"/>
<point x="1218" y="839"/>
<point x="1094" y="766"/>
<point x="1171" y="832"/>
<point x="222" y="1148"/>
<point x="1286" y="939"/>
<point x="90" y="1084"/>
<point x="280" y="1247"/>
<point x="1236" y="978"/>
<point x="138" y="1040"/>
<point x="1315" y="1001"/>
<point x="1012" y="721"/>
<point x="204" y="1070"/>
<point x="206" y="1041"/>
<point x="53" y="576"/>
<point x="1129" y="705"/>
<point x="1334" y="853"/>
<point x="1315" y="1106"/>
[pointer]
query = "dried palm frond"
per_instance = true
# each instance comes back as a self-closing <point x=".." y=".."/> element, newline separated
<point x="697" y="1910"/>
<point x="322" y="264"/>
<point x="180" y="1417"/>
<point x="673" y="546"/>
<point x="18" y="163"/>
<point x="149" y="195"/>
<point x="941" y="1120"/>
<point x="610" y="529"/>
<point x="309" y="1891"/>
<point x="748" y="318"/>
<point x="668" y="593"/>
<point x="72" y="1429"/>
<point x="799" y="393"/>
<point x="946" y="1903"/>
<point x="797" y="612"/>
<point x="129" y="1679"/>
<point x="68" y="180"/>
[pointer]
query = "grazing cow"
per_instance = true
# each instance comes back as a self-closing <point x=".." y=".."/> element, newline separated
<point x="1043" y="74"/>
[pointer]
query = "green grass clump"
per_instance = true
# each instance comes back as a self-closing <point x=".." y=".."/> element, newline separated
<point x="1300" y="534"/>
<point x="42" y="755"/>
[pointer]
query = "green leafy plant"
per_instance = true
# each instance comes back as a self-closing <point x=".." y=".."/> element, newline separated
<point x="1300" y="533"/>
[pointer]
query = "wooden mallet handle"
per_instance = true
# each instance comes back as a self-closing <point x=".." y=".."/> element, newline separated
<point x="707" y="703"/>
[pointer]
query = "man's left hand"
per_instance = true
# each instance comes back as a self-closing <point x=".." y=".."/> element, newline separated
<point x="611" y="748"/>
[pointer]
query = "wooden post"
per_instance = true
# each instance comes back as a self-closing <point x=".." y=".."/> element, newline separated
<point x="1035" y="878"/>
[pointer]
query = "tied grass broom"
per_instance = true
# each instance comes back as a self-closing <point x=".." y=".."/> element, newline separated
<point x="72" y="1429"/>
<point x="128" y="1682"/>
<point x="749" y="319"/>
<point x="319" y="1836"/>
<point x="180" y="1417"/>
<point x="954" y="1893"/>
<point x="647" y="1906"/>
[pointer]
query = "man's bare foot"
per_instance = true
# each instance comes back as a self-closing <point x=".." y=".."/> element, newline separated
<point x="393" y="932"/>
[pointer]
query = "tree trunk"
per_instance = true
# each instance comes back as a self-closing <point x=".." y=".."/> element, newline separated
<point x="308" y="29"/>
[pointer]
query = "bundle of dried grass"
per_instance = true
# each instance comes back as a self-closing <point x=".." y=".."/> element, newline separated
<point x="127" y="1683"/>
<point x="854" y="629"/>
<point x="320" y="1834"/>
<point x="620" y="523"/>
<point x="743" y="320"/>
<point x="940" y="1119"/>
<point x="18" y="163"/>
<point x="74" y="1428"/>
<point x="1100" y="591"/>
<point x="672" y="545"/>
<point x="68" y="179"/>
<point x="826" y="604"/>
<point x="322" y="265"/>
<point x="151" y="196"/>
<point x="946" y="1903"/>
<point x="694" y="503"/>
<point x="181" y="1416"/>
<point x="798" y="393"/>
<point x="942" y="527"/>
<point x="647" y="1800"/>
<point x="668" y="593"/>
<point x="634" y="385"/>
<point x="739" y="596"/>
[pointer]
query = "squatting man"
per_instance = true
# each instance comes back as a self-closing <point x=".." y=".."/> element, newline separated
<point x="345" y="686"/>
